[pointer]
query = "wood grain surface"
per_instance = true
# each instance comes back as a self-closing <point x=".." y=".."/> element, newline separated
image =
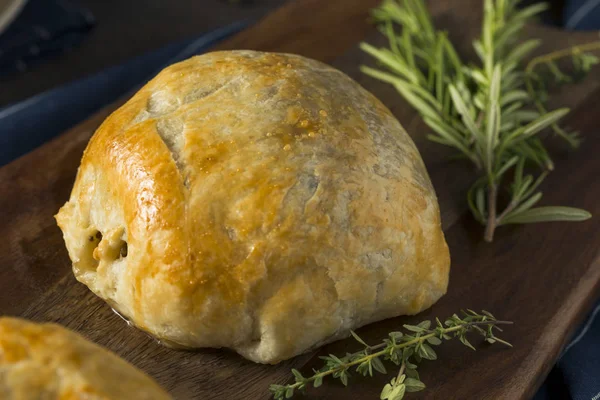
<point x="543" y="277"/>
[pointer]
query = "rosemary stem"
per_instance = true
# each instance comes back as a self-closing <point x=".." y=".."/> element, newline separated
<point x="491" y="223"/>
<point x="380" y="353"/>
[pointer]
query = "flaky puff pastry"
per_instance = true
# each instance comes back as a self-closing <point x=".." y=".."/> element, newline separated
<point x="262" y="202"/>
<point x="47" y="361"/>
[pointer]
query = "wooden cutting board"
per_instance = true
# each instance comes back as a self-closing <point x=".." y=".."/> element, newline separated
<point x="543" y="277"/>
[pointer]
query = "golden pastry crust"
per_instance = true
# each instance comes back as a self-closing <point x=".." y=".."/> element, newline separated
<point x="47" y="361"/>
<point x="268" y="203"/>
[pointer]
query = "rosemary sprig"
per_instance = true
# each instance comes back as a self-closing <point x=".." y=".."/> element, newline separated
<point x="405" y="349"/>
<point x="492" y="113"/>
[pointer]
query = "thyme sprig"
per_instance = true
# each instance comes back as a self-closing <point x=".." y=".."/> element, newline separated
<point x="492" y="112"/>
<point x="404" y="349"/>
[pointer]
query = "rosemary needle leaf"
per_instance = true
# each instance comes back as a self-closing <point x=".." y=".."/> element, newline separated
<point x="525" y="187"/>
<point x="530" y="11"/>
<point x="526" y="205"/>
<point x="507" y="165"/>
<point x="544" y="121"/>
<point x="526" y="115"/>
<point x="522" y="50"/>
<point x="416" y="101"/>
<point x="479" y="77"/>
<point x="390" y="60"/>
<point x="535" y="185"/>
<point x="548" y="214"/>
<point x="480" y="201"/>
<point x="512" y="96"/>
<point x="509" y="32"/>
<point x="464" y="111"/>
<point x="479" y="50"/>
<point x="471" y="202"/>
<point x="377" y="74"/>
<point x="534" y="127"/>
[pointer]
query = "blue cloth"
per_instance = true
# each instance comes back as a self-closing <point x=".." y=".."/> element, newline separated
<point x="43" y="28"/>
<point x="576" y="374"/>
<point x="580" y="361"/>
<point x="582" y="15"/>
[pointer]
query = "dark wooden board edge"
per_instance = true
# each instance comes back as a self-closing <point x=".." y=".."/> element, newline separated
<point x="63" y="147"/>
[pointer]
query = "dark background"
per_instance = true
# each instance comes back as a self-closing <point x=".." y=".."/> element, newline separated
<point x="127" y="28"/>
<point x="124" y="29"/>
